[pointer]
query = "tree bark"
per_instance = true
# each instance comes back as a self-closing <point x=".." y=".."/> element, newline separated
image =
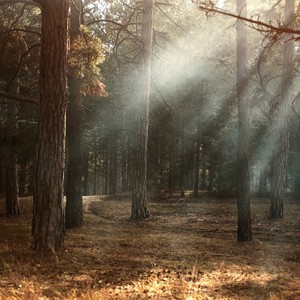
<point x="280" y="157"/>
<point x="48" y="219"/>
<point x="139" y="209"/>
<point x="244" y="232"/>
<point x="74" y="206"/>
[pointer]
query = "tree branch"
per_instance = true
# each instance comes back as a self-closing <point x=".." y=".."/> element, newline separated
<point x="18" y="98"/>
<point x="168" y="17"/>
<point x="21" y="30"/>
<point x="115" y="23"/>
<point x="261" y="26"/>
<point x="21" y="59"/>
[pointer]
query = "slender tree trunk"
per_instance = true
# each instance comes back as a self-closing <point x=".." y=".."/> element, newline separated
<point x="124" y="166"/>
<point x="203" y="169"/>
<point x="2" y="173"/>
<point x="11" y="183"/>
<point x="85" y="170"/>
<point x="48" y="219"/>
<point x="171" y="168"/>
<point x="130" y="161"/>
<point x="106" y="170"/>
<point x="11" y="173"/>
<point x="22" y="178"/>
<point x="244" y="232"/>
<point x="95" y="177"/>
<point x="139" y="209"/>
<point x="280" y="156"/>
<point x="31" y="177"/>
<point x="196" y="171"/>
<point x="74" y="207"/>
<point x="113" y="169"/>
<point x="182" y="160"/>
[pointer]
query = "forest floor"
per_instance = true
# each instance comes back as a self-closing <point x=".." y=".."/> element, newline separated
<point x="186" y="250"/>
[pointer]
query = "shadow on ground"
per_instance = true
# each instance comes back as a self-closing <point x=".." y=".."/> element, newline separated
<point x="186" y="250"/>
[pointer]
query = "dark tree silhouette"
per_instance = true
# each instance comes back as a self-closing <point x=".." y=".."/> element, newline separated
<point x="280" y="157"/>
<point x="139" y="181"/>
<point x="48" y="219"/>
<point x="243" y="181"/>
<point x="74" y="210"/>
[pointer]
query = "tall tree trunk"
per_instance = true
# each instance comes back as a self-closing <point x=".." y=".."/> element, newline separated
<point x="2" y="172"/>
<point x="182" y="158"/>
<point x="130" y="161"/>
<point x="11" y="173"/>
<point x="244" y="232"/>
<point x="11" y="182"/>
<point x="31" y="175"/>
<point x="196" y="170"/>
<point x="74" y="207"/>
<point x="113" y="168"/>
<point x="203" y="179"/>
<point x="48" y="219"/>
<point x="22" y="178"/>
<point x="85" y="182"/>
<point x="106" y="170"/>
<point x="124" y="164"/>
<point x="280" y="156"/>
<point x="203" y="168"/>
<point x="139" y="209"/>
<point x="171" y="175"/>
<point x="95" y="177"/>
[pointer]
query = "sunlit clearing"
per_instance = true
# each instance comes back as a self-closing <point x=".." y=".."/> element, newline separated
<point x="193" y="284"/>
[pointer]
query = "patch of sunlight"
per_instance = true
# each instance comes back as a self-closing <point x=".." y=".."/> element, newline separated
<point x="193" y="284"/>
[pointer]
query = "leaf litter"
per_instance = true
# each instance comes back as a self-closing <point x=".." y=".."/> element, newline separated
<point x="186" y="250"/>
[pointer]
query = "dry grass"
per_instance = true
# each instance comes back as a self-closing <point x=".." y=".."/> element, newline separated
<point x="187" y="250"/>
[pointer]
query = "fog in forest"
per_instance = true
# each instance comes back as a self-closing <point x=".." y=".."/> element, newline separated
<point x="149" y="149"/>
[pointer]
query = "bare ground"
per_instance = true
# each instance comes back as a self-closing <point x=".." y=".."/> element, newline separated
<point x="186" y="250"/>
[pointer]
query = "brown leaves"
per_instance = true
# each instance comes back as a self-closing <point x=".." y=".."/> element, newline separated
<point x="167" y="257"/>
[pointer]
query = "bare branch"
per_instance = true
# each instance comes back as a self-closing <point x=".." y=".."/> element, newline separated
<point x="277" y="3"/>
<point x="130" y="7"/>
<point x="168" y="17"/>
<point x="21" y="30"/>
<point x="115" y="23"/>
<point x="161" y="95"/>
<point x="260" y="26"/>
<point x="22" y="57"/>
<point x="19" y="98"/>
